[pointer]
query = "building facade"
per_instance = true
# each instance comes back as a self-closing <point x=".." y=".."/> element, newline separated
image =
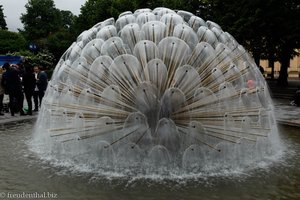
<point x="293" y="70"/>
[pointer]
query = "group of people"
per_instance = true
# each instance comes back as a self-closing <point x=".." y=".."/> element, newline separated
<point x="15" y="82"/>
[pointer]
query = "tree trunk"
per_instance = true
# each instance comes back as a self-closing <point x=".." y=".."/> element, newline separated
<point x="256" y="56"/>
<point x="271" y="64"/>
<point x="283" y="75"/>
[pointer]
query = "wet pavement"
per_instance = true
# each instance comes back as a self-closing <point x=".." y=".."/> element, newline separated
<point x="285" y="113"/>
<point x="7" y="118"/>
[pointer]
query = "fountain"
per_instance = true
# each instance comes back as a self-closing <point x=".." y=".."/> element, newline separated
<point x="157" y="91"/>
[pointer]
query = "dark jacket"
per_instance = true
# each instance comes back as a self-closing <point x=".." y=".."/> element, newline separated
<point x="29" y="82"/>
<point x="11" y="81"/>
<point x="42" y="81"/>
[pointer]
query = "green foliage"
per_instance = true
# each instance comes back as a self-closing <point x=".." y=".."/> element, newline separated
<point x="187" y="5"/>
<point x="176" y="4"/>
<point x="59" y="42"/>
<point x="40" y="20"/>
<point x="3" y="24"/>
<point x="67" y="19"/>
<point x="269" y="29"/>
<point x="11" y="41"/>
<point x="119" y="6"/>
<point x="92" y="12"/>
<point x="43" y="58"/>
<point x="48" y="27"/>
<point x="46" y="59"/>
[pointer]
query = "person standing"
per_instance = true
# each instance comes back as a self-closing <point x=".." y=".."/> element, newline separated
<point x="36" y="90"/>
<point x="1" y="92"/>
<point x="13" y="87"/>
<point x="262" y="70"/>
<point x="42" y="84"/>
<point x="29" y="84"/>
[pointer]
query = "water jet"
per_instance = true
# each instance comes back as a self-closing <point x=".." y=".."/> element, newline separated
<point x="157" y="91"/>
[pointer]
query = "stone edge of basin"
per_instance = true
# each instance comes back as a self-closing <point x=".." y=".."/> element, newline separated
<point x="17" y="119"/>
<point x="295" y="123"/>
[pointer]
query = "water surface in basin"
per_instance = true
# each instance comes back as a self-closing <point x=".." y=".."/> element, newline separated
<point x="22" y="170"/>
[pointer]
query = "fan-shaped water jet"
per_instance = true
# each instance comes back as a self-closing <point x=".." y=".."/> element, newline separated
<point x="158" y="89"/>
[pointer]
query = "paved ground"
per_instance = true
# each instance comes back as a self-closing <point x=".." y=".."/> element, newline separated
<point x="280" y="92"/>
<point x="8" y="119"/>
<point x="285" y="113"/>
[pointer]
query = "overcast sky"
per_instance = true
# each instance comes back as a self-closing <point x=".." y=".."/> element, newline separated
<point x="13" y="9"/>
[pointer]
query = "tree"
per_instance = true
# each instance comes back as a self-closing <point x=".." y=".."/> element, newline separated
<point x="192" y="6"/>
<point x="187" y="5"/>
<point x="48" y="27"/>
<point x="119" y="6"/>
<point x="59" y="41"/>
<point x="40" y="20"/>
<point x="3" y="24"/>
<point x="11" y="42"/>
<point x="241" y="19"/>
<point x="92" y="12"/>
<point x="44" y="58"/>
<point x="67" y="19"/>
<point x="288" y="34"/>
<point x="268" y="29"/>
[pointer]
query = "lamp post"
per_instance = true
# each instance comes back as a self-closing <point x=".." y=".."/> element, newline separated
<point x="33" y="47"/>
